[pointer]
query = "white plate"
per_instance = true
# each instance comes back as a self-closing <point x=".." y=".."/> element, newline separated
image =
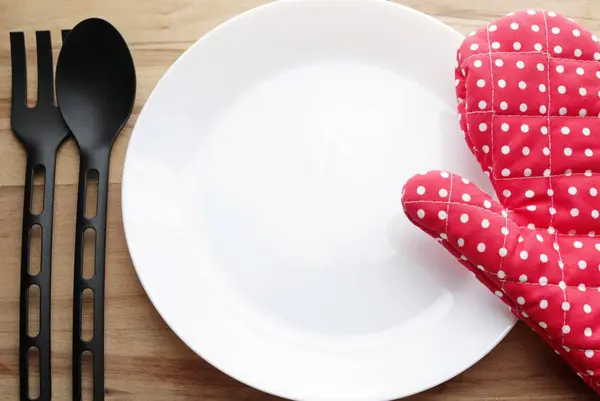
<point x="261" y="203"/>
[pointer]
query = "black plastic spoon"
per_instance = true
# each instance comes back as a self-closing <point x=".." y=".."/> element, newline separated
<point x="95" y="88"/>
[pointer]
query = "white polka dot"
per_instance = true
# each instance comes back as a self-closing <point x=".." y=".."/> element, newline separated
<point x="499" y="62"/>
<point x="543" y="325"/>
<point x="443" y="193"/>
<point x="561" y="264"/>
<point x="517" y="46"/>
<point x="503" y="252"/>
<point x="552" y="211"/>
<point x="596" y="56"/>
<point x="543" y="109"/>
<point x="555" y="30"/>
<point x="566" y="306"/>
<point x="478" y="63"/>
<point x="597" y="246"/>
<point x="524" y="255"/>
<point x="594" y="38"/>
<point x="525" y="128"/>
<point x="525" y="151"/>
<point x="582" y="91"/>
<point x="577" y="244"/>
<point x="555" y="246"/>
<point x="595" y="214"/>
<point x="521" y="301"/>
<point x="421" y="190"/>
<point x="527" y="172"/>
<point x="523" y="107"/>
<point x="576" y="33"/>
<point x="582" y="113"/>
<point x="562" y="285"/>
<point x="520" y="64"/>
<point x="587" y="308"/>
<point x="531" y="208"/>
<point x="487" y="204"/>
<point x="562" y="90"/>
<point x="540" y="67"/>
<point x="460" y="242"/>
<point x="420" y="213"/>
<point x="544" y="130"/>
<point x="444" y="174"/>
<point x="523" y="278"/>
<point x="506" y="193"/>
<point x="546" y="151"/>
<point x="474" y="46"/>
<point x="514" y="26"/>
<point x="442" y="215"/>
<point x="589" y="152"/>
<point x="503" y="105"/>
<point x="481" y="83"/>
<point x="485" y="149"/>
<point x="502" y="83"/>
<point x="535" y="28"/>
<point x="589" y="353"/>
<point x="565" y="130"/>
<point x="582" y="264"/>
<point x="558" y="49"/>
<point x="505" y="172"/>
<point x="543" y="281"/>
<point x="586" y="131"/>
<point x="581" y="287"/>
<point x="498" y="293"/>
<point x="551" y="14"/>
<point x="568" y="151"/>
<point x="562" y="111"/>
<point x="505" y="149"/>
<point x="482" y="127"/>
<point x="566" y="329"/>
<point x="593" y="191"/>
<point x="572" y="190"/>
<point x="464" y="218"/>
<point x="574" y="212"/>
<point x="492" y="28"/>
<point x="529" y="194"/>
<point x="481" y="247"/>
<point x="482" y="104"/>
<point x="587" y="332"/>
<point x="538" y="47"/>
<point x="543" y="304"/>
<point x="504" y="230"/>
<point x="485" y="223"/>
<point x="560" y="69"/>
<point x="522" y="85"/>
<point x="542" y="89"/>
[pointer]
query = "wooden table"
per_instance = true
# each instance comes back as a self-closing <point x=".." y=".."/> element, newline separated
<point x="144" y="359"/>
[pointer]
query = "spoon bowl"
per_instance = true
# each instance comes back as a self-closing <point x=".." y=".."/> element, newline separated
<point x="95" y="82"/>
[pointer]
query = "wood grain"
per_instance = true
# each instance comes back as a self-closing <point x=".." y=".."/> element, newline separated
<point x="144" y="359"/>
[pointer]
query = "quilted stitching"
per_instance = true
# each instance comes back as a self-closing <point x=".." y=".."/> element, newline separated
<point x="528" y="89"/>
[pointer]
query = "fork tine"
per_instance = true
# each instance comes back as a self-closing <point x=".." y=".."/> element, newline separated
<point x="19" y="69"/>
<point x="45" y="69"/>
<point x="65" y="34"/>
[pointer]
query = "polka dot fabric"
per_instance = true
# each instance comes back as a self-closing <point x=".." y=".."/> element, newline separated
<point x="528" y="91"/>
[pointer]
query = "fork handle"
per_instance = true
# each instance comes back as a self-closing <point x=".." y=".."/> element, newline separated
<point x="98" y="160"/>
<point x="41" y="340"/>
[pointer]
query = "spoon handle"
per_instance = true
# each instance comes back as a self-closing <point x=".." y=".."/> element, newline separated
<point x="37" y="336"/>
<point x="96" y="162"/>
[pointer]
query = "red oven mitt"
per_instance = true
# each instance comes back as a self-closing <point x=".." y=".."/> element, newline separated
<point x="528" y="88"/>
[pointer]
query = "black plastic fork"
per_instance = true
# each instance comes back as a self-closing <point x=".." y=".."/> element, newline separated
<point x="41" y="130"/>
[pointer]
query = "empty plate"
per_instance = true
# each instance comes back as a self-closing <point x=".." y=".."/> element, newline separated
<point x="261" y="203"/>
